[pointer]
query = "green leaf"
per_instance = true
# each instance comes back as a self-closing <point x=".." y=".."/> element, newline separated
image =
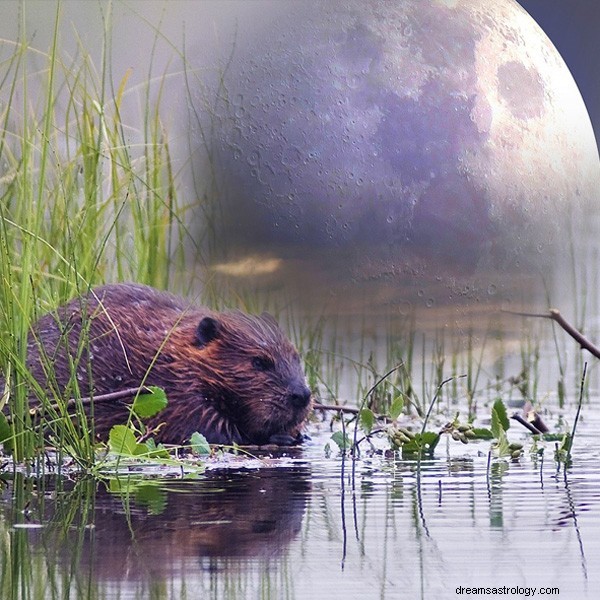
<point x="155" y="451"/>
<point x="566" y="443"/>
<point x="142" y="450"/>
<point x="396" y="407"/>
<point x="151" y="444"/>
<point x="499" y="418"/>
<point x="500" y="424"/>
<point x="367" y="420"/>
<point x="502" y="445"/>
<point x="199" y="444"/>
<point x="481" y="433"/>
<point x="343" y="441"/>
<point x="423" y="444"/>
<point x="121" y="440"/>
<point x="553" y="437"/>
<point x="148" y="404"/>
<point x="5" y="430"/>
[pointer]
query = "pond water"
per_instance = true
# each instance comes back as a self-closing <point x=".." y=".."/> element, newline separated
<point x="299" y="526"/>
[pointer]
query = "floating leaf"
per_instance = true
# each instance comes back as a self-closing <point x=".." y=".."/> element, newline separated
<point x="367" y="420"/>
<point x="396" y="407"/>
<point x="199" y="444"/>
<point x="148" y="404"/>
<point x="155" y="451"/>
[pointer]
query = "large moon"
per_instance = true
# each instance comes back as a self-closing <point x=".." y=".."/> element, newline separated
<point x="405" y="142"/>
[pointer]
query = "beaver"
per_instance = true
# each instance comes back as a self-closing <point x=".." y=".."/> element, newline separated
<point x="233" y="377"/>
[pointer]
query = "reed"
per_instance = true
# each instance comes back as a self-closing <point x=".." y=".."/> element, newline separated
<point x="84" y="199"/>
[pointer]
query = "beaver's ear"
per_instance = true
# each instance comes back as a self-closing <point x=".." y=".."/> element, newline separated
<point x="208" y="329"/>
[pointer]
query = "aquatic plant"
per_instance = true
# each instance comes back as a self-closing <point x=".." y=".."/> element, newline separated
<point x="84" y="199"/>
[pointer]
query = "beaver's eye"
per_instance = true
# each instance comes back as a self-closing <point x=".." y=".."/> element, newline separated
<point x="261" y="363"/>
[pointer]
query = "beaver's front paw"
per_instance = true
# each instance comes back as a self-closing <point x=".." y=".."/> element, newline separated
<point x="283" y="439"/>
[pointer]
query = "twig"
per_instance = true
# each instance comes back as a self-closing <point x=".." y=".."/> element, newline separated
<point x="517" y="417"/>
<point x="554" y="315"/>
<point x="344" y="409"/>
<point x="87" y="400"/>
<point x="371" y="433"/>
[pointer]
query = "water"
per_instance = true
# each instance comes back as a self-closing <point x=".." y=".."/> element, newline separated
<point x="297" y="527"/>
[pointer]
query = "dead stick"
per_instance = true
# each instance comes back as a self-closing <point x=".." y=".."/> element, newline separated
<point x="517" y="417"/>
<point x="86" y="400"/>
<point x="344" y="409"/>
<point x="555" y="315"/>
<point x="335" y="407"/>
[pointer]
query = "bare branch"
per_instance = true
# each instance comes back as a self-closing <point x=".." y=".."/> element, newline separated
<point x="87" y="400"/>
<point x="517" y="417"/>
<point x="336" y="408"/>
<point x="554" y="315"/>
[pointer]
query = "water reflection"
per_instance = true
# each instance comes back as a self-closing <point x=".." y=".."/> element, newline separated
<point x="146" y="530"/>
<point x="420" y="529"/>
<point x="240" y="514"/>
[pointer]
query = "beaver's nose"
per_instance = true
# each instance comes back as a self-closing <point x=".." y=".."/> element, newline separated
<point x="299" y="396"/>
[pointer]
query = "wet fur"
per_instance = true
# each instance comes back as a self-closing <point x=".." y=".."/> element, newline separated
<point x="230" y="376"/>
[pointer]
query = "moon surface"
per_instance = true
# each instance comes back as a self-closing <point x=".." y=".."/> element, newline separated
<point x="403" y="141"/>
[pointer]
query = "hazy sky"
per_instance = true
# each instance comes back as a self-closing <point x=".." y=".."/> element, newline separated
<point x="572" y="25"/>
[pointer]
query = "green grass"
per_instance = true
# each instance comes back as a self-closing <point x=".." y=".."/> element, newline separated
<point x="80" y="204"/>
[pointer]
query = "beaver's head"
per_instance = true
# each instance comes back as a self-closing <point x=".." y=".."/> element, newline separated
<point x="256" y="372"/>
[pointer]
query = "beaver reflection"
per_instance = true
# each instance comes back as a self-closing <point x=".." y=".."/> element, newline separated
<point x="225" y="515"/>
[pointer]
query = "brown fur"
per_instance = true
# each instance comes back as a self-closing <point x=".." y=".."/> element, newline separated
<point x="230" y="376"/>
